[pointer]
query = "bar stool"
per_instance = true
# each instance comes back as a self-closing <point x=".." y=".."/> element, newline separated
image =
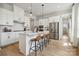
<point x="42" y="41"/>
<point x="46" y="38"/>
<point x="36" y="46"/>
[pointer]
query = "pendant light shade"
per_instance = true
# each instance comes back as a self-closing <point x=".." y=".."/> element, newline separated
<point x="42" y="10"/>
<point x="30" y="14"/>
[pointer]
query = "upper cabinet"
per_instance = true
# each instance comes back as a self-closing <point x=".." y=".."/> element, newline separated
<point x="41" y="21"/>
<point x="6" y="17"/>
<point x="18" y="14"/>
<point x="44" y="22"/>
<point x="54" y="19"/>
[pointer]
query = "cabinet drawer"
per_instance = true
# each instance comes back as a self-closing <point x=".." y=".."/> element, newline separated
<point x="6" y="39"/>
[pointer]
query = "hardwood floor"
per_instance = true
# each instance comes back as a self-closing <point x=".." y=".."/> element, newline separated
<point x="55" y="48"/>
<point x="59" y="48"/>
<point x="11" y="50"/>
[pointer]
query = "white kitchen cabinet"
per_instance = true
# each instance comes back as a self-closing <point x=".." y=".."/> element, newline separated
<point x="17" y="34"/>
<point x="3" y="39"/>
<point x="54" y="19"/>
<point x="8" y="38"/>
<point x="36" y="22"/>
<point x="6" y="17"/>
<point x="18" y="14"/>
<point x="3" y="17"/>
<point x="11" y="38"/>
<point x="10" y="18"/>
<point x="44" y="22"/>
<point x="41" y="21"/>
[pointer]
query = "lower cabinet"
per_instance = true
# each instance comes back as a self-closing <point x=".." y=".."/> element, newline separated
<point x="8" y="38"/>
<point x="3" y="39"/>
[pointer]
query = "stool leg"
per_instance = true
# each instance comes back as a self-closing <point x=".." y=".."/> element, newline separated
<point x="42" y="44"/>
<point x="39" y="45"/>
<point x="35" y="49"/>
<point x="46" y="42"/>
<point x="48" y="39"/>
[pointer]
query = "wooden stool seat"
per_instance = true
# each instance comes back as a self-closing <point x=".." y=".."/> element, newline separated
<point x="46" y="38"/>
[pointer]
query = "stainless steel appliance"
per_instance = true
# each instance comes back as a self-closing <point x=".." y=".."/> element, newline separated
<point x="40" y="28"/>
<point x="54" y="30"/>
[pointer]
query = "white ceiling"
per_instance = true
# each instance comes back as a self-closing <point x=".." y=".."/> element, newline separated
<point x="48" y="7"/>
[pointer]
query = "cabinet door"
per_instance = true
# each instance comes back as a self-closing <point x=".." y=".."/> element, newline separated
<point x="6" y="17"/>
<point x="3" y="16"/>
<point x="16" y="37"/>
<point x="18" y="14"/>
<point x="46" y="22"/>
<point x="7" y="38"/>
<point x="10" y="18"/>
<point x="11" y="38"/>
<point x="4" y="39"/>
<point x="41" y="22"/>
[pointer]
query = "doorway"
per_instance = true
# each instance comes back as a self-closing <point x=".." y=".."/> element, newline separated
<point x="66" y="30"/>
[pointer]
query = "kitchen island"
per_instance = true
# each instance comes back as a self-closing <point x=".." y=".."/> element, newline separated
<point x="24" y="41"/>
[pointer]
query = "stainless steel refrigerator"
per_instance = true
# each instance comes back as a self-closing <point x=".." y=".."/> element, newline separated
<point x="54" y="30"/>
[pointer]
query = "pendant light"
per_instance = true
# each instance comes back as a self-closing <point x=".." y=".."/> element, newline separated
<point x="31" y="10"/>
<point x="42" y="10"/>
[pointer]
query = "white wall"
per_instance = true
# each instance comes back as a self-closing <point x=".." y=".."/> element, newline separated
<point x="73" y="17"/>
<point x="75" y="27"/>
<point x="60" y="28"/>
<point x="78" y="24"/>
